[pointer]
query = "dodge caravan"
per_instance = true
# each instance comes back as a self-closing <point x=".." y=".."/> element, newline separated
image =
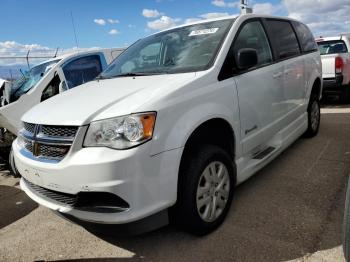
<point x="170" y="128"/>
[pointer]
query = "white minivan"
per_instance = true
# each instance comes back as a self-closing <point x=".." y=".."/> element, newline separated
<point x="173" y="124"/>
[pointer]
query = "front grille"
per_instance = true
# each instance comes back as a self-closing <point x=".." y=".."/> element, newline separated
<point x="29" y="127"/>
<point x="53" y="151"/>
<point x="28" y="145"/>
<point x="62" y="198"/>
<point x="47" y="142"/>
<point x="59" y="131"/>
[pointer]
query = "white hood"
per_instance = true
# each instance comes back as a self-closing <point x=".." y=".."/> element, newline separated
<point x="104" y="99"/>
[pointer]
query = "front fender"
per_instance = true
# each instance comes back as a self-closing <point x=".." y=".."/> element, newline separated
<point x="176" y="123"/>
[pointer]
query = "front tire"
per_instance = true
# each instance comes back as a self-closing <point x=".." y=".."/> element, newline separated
<point x="314" y="116"/>
<point x="206" y="186"/>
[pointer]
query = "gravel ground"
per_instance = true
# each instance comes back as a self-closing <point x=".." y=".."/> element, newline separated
<point x="287" y="212"/>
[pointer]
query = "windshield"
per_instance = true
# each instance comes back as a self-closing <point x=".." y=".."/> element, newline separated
<point x="332" y="47"/>
<point x="30" y="79"/>
<point x="186" y="49"/>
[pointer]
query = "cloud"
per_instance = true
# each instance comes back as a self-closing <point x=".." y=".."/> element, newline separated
<point x="213" y="15"/>
<point x="14" y="49"/>
<point x="222" y="3"/>
<point x="192" y="20"/>
<point x="162" y="23"/>
<point x="266" y="8"/>
<point x="113" y="21"/>
<point x="149" y="13"/>
<point x="207" y="16"/>
<point x="18" y="52"/>
<point x="113" y="32"/>
<point x="326" y="18"/>
<point x="100" y="21"/>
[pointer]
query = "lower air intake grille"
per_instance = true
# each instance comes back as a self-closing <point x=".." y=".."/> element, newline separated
<point x="62" y="198"/>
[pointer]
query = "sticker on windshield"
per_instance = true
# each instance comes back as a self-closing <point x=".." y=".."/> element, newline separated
<point x="204" y="31"/>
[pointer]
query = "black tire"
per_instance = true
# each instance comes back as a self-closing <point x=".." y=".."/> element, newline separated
<point x="185" y="212"/>
<point x="345" y="96"/>
<point x="346" y="225"/>
<point x="13" y="170"/>
<point x="312" y="109"/>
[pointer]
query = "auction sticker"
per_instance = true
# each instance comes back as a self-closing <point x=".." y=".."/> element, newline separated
<point x="206" y="31"/>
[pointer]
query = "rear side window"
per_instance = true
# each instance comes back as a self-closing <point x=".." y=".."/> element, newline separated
<point x="283" y="38"/>
<point x="82" y="70"/>
<point x="332" y="47"/>
<point x="307" y="40"/>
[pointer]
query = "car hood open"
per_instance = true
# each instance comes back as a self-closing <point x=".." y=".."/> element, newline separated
<point x="102" y="99"/>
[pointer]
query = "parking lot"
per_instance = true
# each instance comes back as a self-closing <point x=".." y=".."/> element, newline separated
<point x="293" y="207"/>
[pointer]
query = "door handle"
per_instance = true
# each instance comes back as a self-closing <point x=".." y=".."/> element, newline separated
<point x="277" y="75"/>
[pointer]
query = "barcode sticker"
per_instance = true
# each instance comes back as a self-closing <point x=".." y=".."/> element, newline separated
<point x="204" y="31"/>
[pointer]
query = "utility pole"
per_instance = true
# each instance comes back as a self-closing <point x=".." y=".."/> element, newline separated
<point x="244" y="7"/>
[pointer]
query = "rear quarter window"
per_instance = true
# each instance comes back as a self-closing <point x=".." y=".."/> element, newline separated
<point x="306" y="39"/>
<point x="283" y="38"/>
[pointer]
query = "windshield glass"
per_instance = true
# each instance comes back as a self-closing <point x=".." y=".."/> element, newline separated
<point x="30" y="79"/>
<point x="186" y="49"/>
<point x="332" y="47"/>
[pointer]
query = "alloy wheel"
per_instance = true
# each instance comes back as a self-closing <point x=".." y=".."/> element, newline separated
<point x="213" y="191"/>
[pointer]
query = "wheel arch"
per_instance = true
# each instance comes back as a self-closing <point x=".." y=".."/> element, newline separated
<point x="215" y="131"/>
<point x="317" y="87"/>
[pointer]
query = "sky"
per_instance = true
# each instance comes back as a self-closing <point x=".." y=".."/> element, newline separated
<point x="44" y="25"/>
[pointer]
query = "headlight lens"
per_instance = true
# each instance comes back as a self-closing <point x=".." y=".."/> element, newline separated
<point x="121" y="132"/>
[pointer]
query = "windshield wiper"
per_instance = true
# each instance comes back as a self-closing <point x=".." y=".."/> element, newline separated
<point x="132" y="74"/>
<point x="120" y="75"/>
<point x="102" y="77"/>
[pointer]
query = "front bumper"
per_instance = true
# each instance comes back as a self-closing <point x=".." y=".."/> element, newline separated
<point x="147" y="183"/>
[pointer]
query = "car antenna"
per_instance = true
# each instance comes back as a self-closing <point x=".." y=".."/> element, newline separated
<point x="27" y="57"/>
<point x="75" y="33"/>
<point x="56" y="52"/>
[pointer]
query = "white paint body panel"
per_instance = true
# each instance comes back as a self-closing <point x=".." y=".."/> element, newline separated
<point x="146" y="176"/>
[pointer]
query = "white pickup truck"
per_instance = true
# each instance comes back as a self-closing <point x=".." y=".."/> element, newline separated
<point x="335" y="57"/>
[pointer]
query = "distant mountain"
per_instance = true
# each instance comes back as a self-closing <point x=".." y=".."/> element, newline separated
<point x="7" y="71"/>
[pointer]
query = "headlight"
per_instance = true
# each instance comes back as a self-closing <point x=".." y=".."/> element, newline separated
<point x="121" y="132"/>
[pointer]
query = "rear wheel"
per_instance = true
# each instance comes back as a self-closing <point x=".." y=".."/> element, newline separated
<point x="207" y="181"/>
<point x="314" y="116"/>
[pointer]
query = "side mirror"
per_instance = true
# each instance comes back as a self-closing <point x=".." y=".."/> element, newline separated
<point x="246" y="58"/>
<point x="62" y="86"/>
